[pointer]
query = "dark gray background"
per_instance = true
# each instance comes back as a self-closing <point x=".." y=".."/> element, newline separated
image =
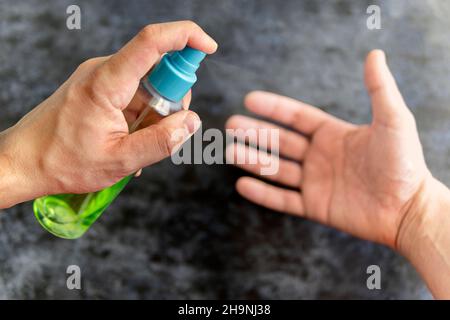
<point x="182" y="231"/>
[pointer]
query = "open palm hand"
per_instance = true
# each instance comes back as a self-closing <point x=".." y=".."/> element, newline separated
<point x="359" y="179"/>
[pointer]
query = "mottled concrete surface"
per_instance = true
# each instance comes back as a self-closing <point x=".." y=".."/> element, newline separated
<point x="182" y="231"/>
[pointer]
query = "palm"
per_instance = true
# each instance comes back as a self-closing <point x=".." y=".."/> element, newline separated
<point x="348" y="182"/>
<point x="359" y="179"/>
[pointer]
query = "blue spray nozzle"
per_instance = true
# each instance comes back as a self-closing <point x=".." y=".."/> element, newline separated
<point x="193" y="56"/>
<point x="175" y="74"/>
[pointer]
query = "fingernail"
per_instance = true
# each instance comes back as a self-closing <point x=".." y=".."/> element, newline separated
<point x="192" y="122"/>
<point x="383" y="55"/>
<point x="213" y="41"/>
<point x="217" y="45"/>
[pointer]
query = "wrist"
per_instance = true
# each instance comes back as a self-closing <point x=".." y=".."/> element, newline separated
<point x="418" y="218"/>
<point x="15" y="184"/>
<point x="423" y="236"/>
<point x="6" y="175"/>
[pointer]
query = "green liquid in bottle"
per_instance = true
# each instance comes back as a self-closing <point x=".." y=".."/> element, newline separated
<point x="70" y="215"/>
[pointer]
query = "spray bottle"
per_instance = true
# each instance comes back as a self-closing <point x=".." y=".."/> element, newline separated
<point x="69" y="216"/>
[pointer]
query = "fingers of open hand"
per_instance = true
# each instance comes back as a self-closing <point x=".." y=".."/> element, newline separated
<point x="295" y="114"/>
<point x="283" y="171"/>
<point x="275" y="198"/>
<point x="89" y="65"/>
<point x="290" y="144"/>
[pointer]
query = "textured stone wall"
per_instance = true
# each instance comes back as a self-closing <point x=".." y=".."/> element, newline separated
<point x="182" y="231"/>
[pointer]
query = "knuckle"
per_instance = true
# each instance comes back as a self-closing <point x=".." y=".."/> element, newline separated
<point x="92" y="87"/>
<point x="90" y="91"/>
<point x="96" y="75"/>
<point x="190" y="24"/>
<point x="73" y="92"/>
<point x="149" y="32"/>
<point x="89" y="63"/>
<point x="189" y="27"/>
<point x="97" y="88"/>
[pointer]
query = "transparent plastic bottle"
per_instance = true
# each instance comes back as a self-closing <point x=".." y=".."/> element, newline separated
<point x="69" y="216"/>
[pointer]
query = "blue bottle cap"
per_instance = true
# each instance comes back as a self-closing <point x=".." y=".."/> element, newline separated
<point x="175" y="73"/>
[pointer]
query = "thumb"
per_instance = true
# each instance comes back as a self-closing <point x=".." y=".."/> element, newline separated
<point x="156" y="142"/>
<point x="388" y="107"/>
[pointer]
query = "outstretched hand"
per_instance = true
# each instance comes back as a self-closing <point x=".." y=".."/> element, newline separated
<point x="360" y="179"/>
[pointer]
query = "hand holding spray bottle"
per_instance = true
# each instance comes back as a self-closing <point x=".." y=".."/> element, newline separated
<point x="70" y="215"/>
